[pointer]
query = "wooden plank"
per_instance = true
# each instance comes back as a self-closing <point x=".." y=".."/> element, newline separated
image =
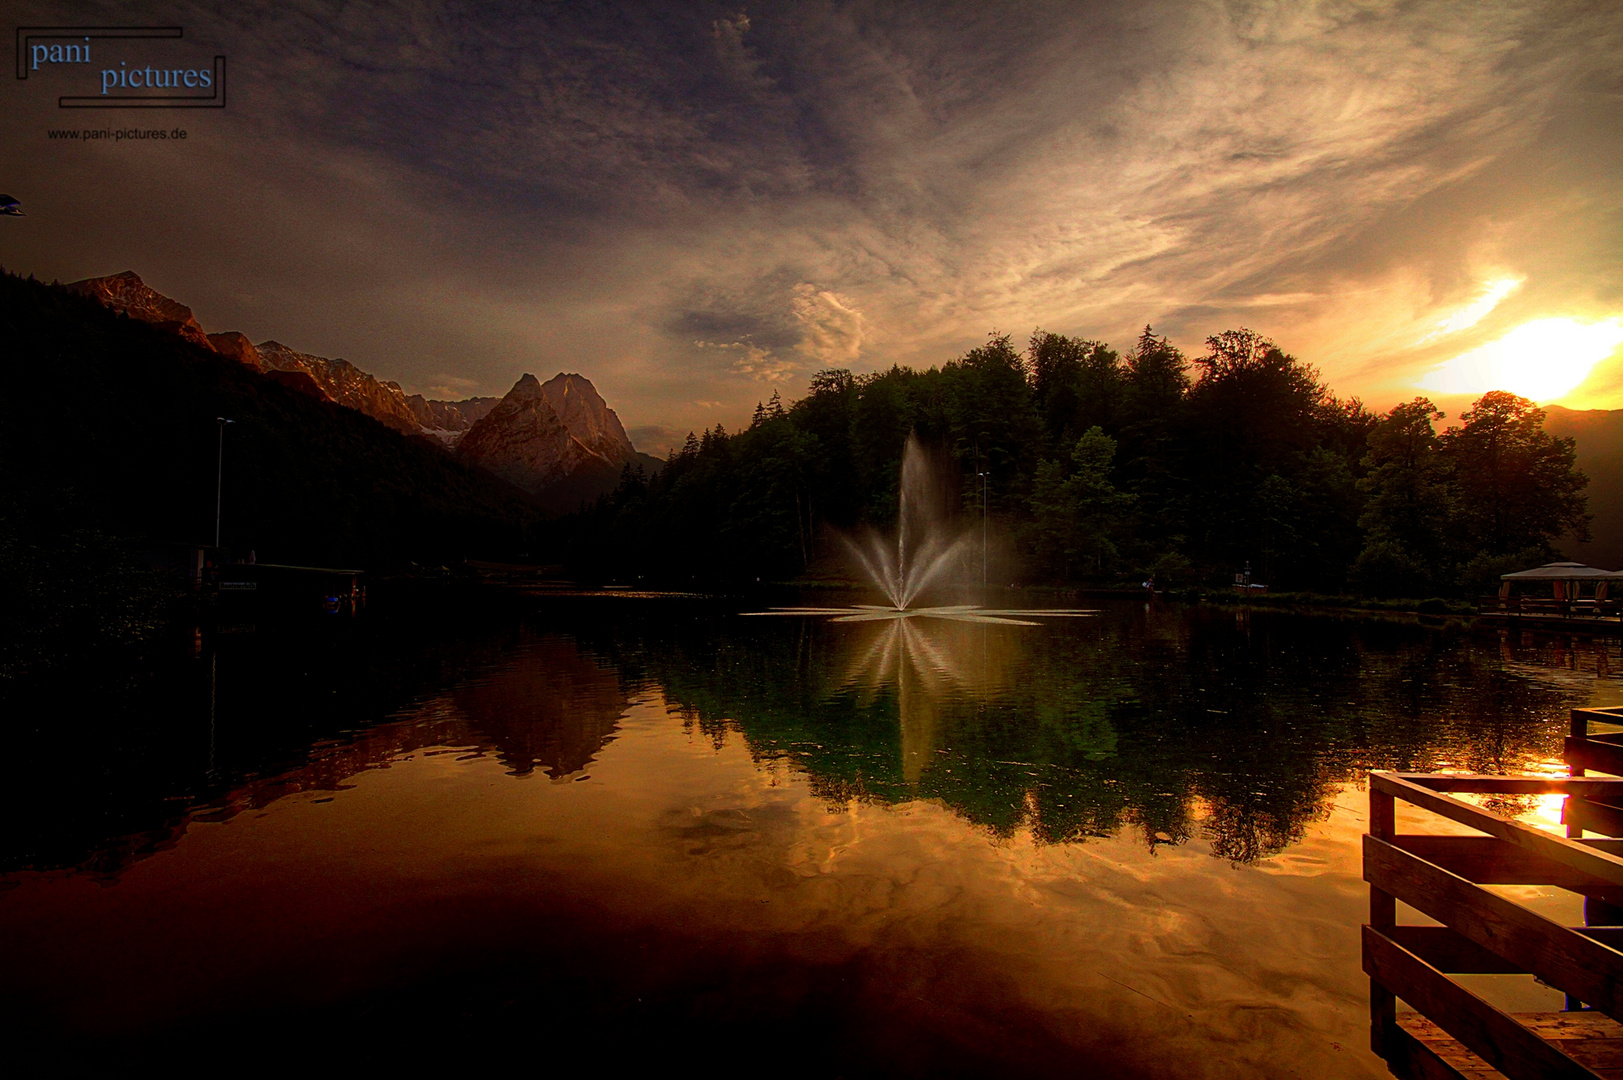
<point x="1591" y="1038"/>
<point x="1487" y="860"/>
<point x="1581" y="718"/>
<point x="1613" y="847"/>
<point x="1432" y="1054"/>
<point x="1484" y="784"/>
<point x="1588" y="1038"/>
<point x="1449" y="951"/>
<point x="1592" y="753"/>
<point x="1568" y="961"/>
<point x="1492" y="1035"/>
<point x="1594" y="816"/>
<point x="1571" y="1025"/>
<point x="1579" y="728"/>
<point x="1590" y="860"/>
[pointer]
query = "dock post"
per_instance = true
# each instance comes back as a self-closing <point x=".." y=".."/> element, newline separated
<point x="1383" y="916"/>
<point x="1578" y="730"/>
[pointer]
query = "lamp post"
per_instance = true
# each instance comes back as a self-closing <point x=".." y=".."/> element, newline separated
<point x="982" y="471"/>
<point x="219" y="477"/>
<point x="984" y="479"/>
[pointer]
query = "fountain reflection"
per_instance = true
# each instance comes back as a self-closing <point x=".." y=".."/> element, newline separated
<point x="965" y="613"/>
<point x="927" y="664"/>
<point x="968" y="613"/>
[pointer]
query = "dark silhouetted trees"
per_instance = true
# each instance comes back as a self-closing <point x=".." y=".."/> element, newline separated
<point x="1519" y="486"/>
<point x="1449" y="512"/>
<point x="1078" y="518"/>
<point x="1103" y="467"/>
<point x="1409" y="502"/>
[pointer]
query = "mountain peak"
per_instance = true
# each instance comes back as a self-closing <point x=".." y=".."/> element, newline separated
<point x="583" y="410"/>
<point x="542" y="433"/>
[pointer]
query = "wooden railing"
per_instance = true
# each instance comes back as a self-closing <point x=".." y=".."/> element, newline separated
<point x="1456" y="1032"/>
<point x="1595" y="751"/>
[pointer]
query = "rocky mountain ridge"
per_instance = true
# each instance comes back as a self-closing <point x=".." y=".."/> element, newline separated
<point x="335" y="380"/>
<point x="538" y="436"/>
<point x="449" y="421"/>
<point x="128" y="294"/>
<point x="342" y="382"/>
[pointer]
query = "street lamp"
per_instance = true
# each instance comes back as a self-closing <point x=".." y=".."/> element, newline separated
<point x="219" y="477"/>
<point x="984" y="479"/>
<point x="983" y="473"/>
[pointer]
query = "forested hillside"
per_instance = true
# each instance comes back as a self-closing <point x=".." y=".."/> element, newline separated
<point x="111" y="442"/>
<point x="119" y="431"/>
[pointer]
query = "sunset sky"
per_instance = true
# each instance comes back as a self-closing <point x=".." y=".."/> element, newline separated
<point x="695" y="205"/>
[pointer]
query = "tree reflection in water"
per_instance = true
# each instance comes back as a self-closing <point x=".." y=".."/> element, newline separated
<point x="1180" y="724"/>
<point x="1175" y="723"/>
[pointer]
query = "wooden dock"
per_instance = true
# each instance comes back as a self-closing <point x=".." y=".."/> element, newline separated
<point x="1553" y="621"/>
<point x="1455" y="1032"/>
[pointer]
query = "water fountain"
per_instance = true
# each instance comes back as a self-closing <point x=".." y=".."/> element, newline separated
<point x="925" y="661"/>
<point x="924" y="555"/>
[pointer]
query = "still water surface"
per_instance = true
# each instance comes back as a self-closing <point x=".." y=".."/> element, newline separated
<point x="658" y="831"/>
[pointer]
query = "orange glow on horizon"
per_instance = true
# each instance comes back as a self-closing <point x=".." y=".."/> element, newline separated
<point x="1545" y="360"/>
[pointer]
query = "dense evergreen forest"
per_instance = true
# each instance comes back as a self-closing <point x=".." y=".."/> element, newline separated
<point x="1099" y="467"/>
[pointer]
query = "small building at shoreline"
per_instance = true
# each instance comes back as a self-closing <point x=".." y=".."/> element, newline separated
<point x="1560" y="588"/>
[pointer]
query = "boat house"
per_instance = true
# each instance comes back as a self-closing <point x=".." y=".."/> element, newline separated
<point x="1560" y="589"/>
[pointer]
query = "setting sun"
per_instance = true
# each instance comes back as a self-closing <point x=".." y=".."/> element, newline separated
<point x="1543" y="360"/>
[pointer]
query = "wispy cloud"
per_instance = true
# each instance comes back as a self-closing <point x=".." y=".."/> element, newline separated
<point x="598" y="187"/>
<point x="1474" y="312"/>
<point x="452" y="386"/>
<point x="656" y="439"/>
<point x="832" y="325"/>
<point x="751" y="360"/>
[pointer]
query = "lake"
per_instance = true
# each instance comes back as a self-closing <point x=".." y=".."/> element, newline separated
<point x="622" y="829"/>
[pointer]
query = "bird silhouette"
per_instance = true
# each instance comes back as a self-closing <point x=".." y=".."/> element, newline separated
<point x="10" y="206"/>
